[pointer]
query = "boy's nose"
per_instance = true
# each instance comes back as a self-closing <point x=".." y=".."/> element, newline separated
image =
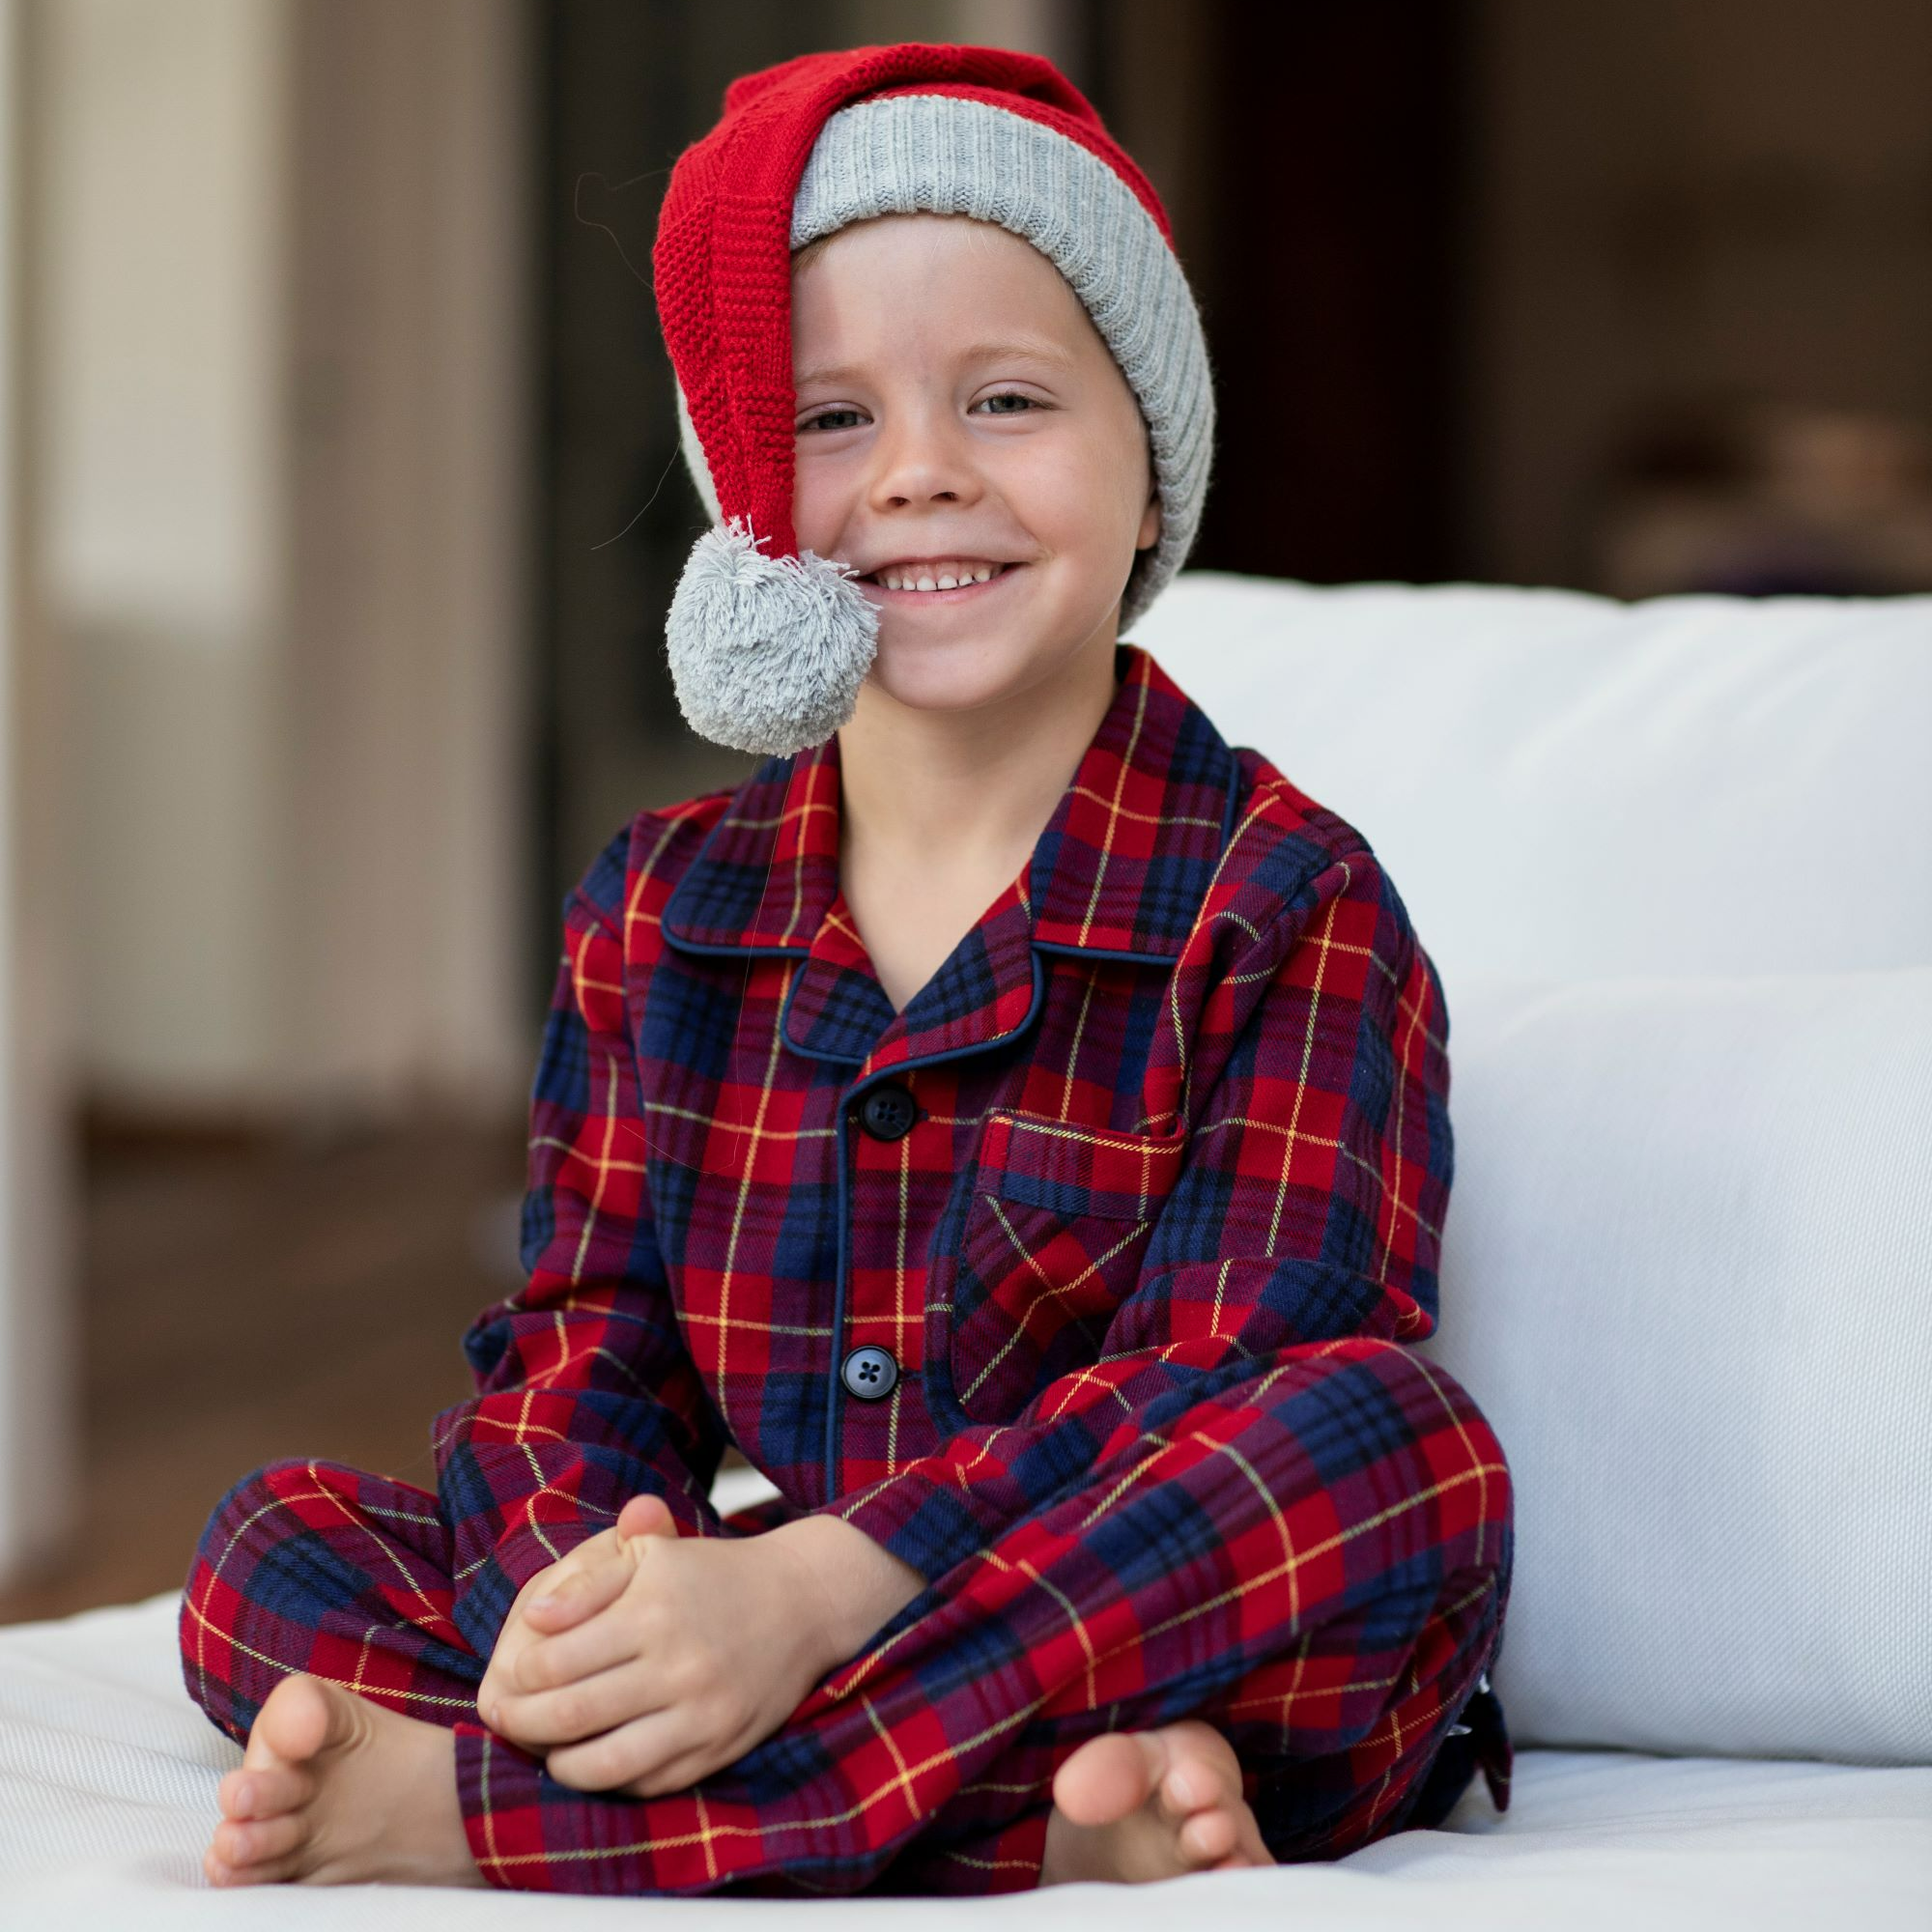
<point x="923" y="482"/>
<point x="921" y="463"/>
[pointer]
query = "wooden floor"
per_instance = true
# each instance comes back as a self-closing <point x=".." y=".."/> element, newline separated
<point x="248" y="1304"/>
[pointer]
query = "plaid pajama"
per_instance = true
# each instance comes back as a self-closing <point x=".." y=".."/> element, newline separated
<point x="1082" y="1285"/>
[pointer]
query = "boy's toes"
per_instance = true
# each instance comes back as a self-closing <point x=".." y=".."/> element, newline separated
<point x="1134" y="1806"/>
<point x="258" y="1843"/>
<point x="1202" y="1793"/>
<point x="261" y="1791"/>
<point x="1180" y="1785"/>
<point x="1107" y="1777"/>
<point x="1193" y="1781"/>
<point x="292" y="1726"/>
<point x="1210" y="1835"/>
<point x="272" y="1872"/>
<point x="265" y="1869"/>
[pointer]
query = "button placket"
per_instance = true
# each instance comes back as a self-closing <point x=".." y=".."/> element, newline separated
<point x="885" y="1113"/>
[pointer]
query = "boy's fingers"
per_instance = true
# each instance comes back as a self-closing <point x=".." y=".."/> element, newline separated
<point x="628" y="1753"/>
<point x="515" y="1636"/>
<point x="590" y="1554"/>
<point x="647" y="1514"/>
<point x="574" y="1600"/>
<point x="584" y="1709"/>
<point x="581" y="1594"/>
<point x="597" y="1643"/>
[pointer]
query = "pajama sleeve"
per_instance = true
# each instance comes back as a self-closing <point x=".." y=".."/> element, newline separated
<point x="1307" y="1208"/>
<point x="586" y="1393"/>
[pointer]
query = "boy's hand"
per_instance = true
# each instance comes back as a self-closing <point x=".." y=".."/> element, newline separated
<point x="524" y="1625"/>
<point x="659" y="1657"/>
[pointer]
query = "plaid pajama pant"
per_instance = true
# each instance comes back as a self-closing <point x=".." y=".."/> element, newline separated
<point x="1316" y="1563"/>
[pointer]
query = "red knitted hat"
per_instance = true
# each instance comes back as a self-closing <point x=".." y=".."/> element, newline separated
<point x="768" y="647"/>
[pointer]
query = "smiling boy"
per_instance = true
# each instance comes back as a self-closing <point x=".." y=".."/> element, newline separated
<point x="957" y="408"/>
<point x="1013" y="1116"/>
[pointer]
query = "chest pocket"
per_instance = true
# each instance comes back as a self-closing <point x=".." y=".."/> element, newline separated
<point x="1050" y="1241"/>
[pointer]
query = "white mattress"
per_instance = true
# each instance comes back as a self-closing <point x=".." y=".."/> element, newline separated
<point x="107" y="1776"/>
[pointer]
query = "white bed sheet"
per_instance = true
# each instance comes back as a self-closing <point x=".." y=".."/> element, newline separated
<point x="107" y="1776"/>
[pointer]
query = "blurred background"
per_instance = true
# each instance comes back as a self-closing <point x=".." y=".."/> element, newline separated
<point x="343" y="505"/>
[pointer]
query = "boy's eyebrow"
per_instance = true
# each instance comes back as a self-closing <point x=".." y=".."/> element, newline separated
<point x="1036" y="349"/>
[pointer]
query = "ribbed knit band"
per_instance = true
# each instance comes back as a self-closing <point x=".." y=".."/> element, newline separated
<point x="937" y="153"/>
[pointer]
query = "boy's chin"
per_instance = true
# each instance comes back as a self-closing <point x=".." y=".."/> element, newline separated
<point x="941" y="674"/>
<point x="934" y="678"/>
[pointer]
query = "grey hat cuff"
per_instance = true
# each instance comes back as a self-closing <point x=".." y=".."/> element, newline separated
<point x="937" y="153"/>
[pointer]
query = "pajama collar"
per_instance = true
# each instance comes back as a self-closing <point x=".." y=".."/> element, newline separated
<point x="1120" y="871"/>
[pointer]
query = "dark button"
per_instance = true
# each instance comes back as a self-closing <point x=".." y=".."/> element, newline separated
<point x="886" y="1112"/>
<point x="870" y="1372"/>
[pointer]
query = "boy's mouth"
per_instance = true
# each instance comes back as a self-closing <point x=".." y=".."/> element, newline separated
<point x="950" y="580"/>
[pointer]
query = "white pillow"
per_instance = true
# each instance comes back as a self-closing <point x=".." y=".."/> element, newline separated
<point x="1686" y="1274"/>
<point x="1565" y="787"/>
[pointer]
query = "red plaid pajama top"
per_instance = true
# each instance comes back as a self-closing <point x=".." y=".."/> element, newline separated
<point x="1082" y="1285"/>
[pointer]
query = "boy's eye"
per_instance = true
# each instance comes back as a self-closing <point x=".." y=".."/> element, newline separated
<point x="820" y="422"/>
<point x="830" y="418"/>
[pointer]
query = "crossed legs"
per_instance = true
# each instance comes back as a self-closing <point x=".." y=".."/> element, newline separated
<point x="1314" y="1561"/>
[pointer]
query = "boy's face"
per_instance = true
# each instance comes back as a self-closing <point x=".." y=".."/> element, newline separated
<point x="955" y="404"/>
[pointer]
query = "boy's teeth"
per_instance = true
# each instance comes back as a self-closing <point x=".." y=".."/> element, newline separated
<point x="942" y="579"/>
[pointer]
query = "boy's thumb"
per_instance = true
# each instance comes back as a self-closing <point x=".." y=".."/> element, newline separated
<point x="646" y="1516"/>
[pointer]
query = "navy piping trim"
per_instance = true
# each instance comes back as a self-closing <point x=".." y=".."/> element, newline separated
<point x="1104" y="953"/>
<point x="829" y="1449"/>
<point x="667" y="919"/>
<point x="737" y="951"/>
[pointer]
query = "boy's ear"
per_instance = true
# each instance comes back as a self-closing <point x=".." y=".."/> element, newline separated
<point x="1148" y="533"/>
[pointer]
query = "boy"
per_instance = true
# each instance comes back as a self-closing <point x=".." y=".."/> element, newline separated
<point x="1013" y="1116"/>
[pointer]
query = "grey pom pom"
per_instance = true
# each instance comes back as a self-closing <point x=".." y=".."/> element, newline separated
<point x="767" y="653"/>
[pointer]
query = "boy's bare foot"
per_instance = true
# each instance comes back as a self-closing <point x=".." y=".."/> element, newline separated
<point x="335" y="1790"/>
<point x="1134" y="1806"/>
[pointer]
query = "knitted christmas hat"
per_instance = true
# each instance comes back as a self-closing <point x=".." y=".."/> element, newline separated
<point x="768" y="647"/>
